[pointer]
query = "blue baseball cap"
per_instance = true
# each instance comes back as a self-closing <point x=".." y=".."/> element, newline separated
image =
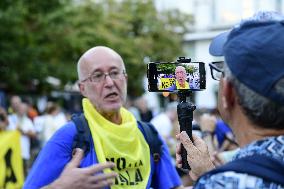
<point x="217" y="44"/>
<point x="254" y="52"/>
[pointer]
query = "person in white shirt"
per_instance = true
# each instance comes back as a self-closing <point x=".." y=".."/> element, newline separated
<point x="163" y="122"/>
<point x="19" y="121"/>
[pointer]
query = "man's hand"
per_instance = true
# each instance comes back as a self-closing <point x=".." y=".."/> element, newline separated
<point x="73" y="177"/>
<point x="197" y="155"/>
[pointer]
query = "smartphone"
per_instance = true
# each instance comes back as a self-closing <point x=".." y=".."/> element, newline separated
<point x="175" y="76"/>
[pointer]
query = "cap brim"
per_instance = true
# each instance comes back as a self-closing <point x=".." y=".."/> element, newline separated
<point x="217" y="44"/>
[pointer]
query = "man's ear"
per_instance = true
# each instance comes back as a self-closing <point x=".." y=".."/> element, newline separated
<point x="229" y="95"/>
<point x="82" y="89"/>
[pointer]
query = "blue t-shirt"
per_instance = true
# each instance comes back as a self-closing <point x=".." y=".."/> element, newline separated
<point x="58" y="152"/>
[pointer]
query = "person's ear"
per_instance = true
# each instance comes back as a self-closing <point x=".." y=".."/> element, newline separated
<point x="82" y="89"/>
<point x="229" y="95"/>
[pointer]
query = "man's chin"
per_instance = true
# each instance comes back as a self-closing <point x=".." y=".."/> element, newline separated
<point x="112" y="108"/>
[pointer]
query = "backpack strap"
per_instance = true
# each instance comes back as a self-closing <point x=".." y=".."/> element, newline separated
<point x="82" y="138"/>
<point x="261" y="166"/>
<point x="152" y="138"/>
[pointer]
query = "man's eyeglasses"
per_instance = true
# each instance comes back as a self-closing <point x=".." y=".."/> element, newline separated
<point x="100" y="76"/>
<point x="216" y="69"/>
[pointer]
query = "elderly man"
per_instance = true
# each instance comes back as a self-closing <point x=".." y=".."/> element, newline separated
<point x="116" y="136"/>
<point x="180" y="83"/>
<point x="251" y="101"/>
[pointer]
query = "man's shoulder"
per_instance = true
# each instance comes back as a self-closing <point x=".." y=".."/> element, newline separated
<point x="232" y="180"/>
<point x="244" y="179"/>
<point x="224" y="180"/>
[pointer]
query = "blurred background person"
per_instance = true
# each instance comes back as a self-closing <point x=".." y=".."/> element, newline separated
<point x="164" y="121"/>
<point x="22" y="123"/>
<point x="3" y="119"/>
<point x="52" y="120"/>
<point x="130" y="105"/>
<point x="218" y="136"/>
<point x="15" y="100"/>
<point x="145" y="112"/>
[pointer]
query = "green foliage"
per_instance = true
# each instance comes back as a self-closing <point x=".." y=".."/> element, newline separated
<point x="46" y="38"/>
<point x="190" y="69"/>
<point x="170" y="68"/>
<point x="166" y="68"/>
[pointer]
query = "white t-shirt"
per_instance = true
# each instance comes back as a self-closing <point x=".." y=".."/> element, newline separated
<point x="51" y="124"/>
<point x="26" y="125"/>
<point x="163" y="125"/>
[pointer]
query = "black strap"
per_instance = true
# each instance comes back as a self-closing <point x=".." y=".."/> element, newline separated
<point x="82" y="138"/>
<point x="261" y="166"/>
<point x="155" y="144"/>
<point x="153" y="140"/>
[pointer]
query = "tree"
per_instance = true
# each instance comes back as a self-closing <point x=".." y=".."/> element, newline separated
<point x="46" y="38"/>
<point x="26" y="53"/>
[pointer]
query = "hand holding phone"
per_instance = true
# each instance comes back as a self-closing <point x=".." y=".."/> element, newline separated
<point x="183" y="77"/>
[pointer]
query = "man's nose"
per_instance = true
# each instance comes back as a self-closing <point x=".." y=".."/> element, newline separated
<point x="108" y="80"/>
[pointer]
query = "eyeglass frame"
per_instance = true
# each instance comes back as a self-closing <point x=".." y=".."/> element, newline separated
<point x="214" y="67"/>
<point x="105" y="74"/>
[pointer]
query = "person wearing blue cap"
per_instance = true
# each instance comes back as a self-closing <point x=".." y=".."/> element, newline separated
<point x="251" y="101"/>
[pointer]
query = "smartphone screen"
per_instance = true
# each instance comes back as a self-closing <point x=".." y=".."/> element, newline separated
<point x="176" y="76"/>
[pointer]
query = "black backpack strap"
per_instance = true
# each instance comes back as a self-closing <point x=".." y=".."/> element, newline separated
<point x="260" y="166"/>
<point x="82" y="138"/>
<point x="152" y="138"/>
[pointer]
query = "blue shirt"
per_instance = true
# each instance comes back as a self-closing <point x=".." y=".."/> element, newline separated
<point x="272" y="147"/>
<point x="58" y="151"/>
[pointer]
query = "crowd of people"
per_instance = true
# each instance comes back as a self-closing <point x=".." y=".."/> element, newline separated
<point x="35" y="127"/>
<point x="246" y="129"/>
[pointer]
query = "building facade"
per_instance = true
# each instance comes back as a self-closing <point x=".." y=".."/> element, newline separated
<point x="212" y="17"/>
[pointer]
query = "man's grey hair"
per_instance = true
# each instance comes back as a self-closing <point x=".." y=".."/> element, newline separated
<point x="181" y="67"/>
<point x="259" y="109"/>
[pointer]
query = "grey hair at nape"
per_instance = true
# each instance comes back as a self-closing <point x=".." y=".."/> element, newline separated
<point x="259" y="109"/>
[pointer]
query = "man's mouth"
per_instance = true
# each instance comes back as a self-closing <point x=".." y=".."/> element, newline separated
<point x="111" y="95"/>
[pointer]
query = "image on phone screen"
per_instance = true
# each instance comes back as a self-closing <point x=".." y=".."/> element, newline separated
<point x="176" y="76"/>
